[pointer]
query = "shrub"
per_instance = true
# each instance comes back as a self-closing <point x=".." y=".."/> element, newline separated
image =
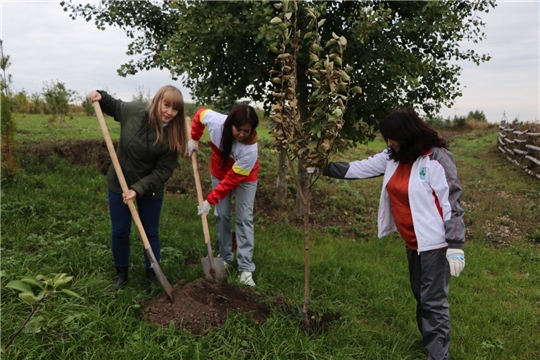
<point x="9" y="163"/>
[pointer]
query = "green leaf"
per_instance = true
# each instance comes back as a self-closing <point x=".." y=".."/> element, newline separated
<point x="19" y="285"/>
<point x="276" y="20"/>
<point x="337" y="112"/>
<point x="71" y="293"/>
<point x="34" y="325"/>
<point x="63" y="281"/>
<point x="308" y="35"/>
<point x="28" y="298"/>
<point x="33" y="282"/>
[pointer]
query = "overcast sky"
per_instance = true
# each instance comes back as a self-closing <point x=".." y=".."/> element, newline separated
<point x="45" y="45"/>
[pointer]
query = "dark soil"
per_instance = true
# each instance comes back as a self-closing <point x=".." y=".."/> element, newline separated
<point x="200" y="305"/>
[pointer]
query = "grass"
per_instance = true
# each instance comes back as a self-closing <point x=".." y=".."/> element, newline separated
<point x="32" y="127"/>
<point x="54" y="219"/>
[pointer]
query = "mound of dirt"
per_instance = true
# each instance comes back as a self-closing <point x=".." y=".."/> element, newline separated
<point x="202" y="305"/>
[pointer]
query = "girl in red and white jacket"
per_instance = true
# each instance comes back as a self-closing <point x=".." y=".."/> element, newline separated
<point x="234" y="167"/>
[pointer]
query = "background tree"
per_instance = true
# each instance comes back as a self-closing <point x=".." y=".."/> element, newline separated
<point x="4" y="64"/>
<point x="140" y="95"/>
<point x="57" y="98"/>
<point x="88" y="107"/>
<point x="37" y="104"/>
<point x="8" y="129"/>
<point x="20" y="103"/>
<point x="477" y="115"/>
<point x="405" y="52"/>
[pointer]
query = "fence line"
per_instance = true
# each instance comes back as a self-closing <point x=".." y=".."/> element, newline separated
<point x="521" y="146"/>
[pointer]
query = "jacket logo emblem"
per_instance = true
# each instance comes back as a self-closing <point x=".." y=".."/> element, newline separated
<point x="422" y="173"/>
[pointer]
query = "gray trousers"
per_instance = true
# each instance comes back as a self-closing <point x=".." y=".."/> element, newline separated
<point x="245" y="237"/>
<point x="429" y="274"/>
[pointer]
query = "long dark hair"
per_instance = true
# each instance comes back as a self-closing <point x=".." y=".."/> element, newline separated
<point x="238" y="116"/>
<point x="413" y="135"/>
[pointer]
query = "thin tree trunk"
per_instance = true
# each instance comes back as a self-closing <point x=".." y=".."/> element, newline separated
<point x="281" y="185"/>
<point x="305" y="314"/>
<point x="304" y="181"/>
<point x="303" y="197"/>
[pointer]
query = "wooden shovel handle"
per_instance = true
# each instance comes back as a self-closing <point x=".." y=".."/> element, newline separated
<point x="200" y="196"/>
<point x="120" y="174"/>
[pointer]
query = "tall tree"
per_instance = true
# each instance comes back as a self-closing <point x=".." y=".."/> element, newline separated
<point x="404" y="50"/>
<point x="406" y="53"/>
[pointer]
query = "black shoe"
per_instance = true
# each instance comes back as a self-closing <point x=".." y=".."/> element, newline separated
<point x="121" y="278"/>
<point x="151" y="279"/>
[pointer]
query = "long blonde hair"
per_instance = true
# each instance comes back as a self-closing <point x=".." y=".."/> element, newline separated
<point x="177" y="126"/>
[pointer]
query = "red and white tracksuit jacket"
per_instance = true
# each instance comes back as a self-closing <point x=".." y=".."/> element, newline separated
<point x="434" y="196"/>
<point x="243" y="163"/>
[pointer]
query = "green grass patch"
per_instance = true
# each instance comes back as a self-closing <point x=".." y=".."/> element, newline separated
<point x="55" y="219"/>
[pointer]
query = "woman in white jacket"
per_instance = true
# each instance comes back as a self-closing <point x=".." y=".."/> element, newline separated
<point x="420" y="199"/>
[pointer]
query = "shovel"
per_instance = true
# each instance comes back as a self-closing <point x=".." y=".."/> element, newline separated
<point x="134" y="214"/>
<point x="213" y="267"/>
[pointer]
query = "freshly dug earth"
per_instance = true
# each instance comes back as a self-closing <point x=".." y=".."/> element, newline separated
<point x="202" y="305"/>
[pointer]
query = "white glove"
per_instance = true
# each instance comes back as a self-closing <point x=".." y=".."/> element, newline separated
<point x="312" y="170"/>
<point x="204" y="209"/>
<point x="192" y="145"/>
<point x="456" y="259"/>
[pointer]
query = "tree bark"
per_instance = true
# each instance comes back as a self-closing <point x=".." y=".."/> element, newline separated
<point x="304" y="181"/>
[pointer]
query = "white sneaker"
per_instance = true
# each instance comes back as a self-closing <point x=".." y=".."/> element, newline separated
<point x="246" y="278"/>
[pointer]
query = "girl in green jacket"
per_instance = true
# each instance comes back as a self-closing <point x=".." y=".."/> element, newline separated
<point x="152" y="138"/>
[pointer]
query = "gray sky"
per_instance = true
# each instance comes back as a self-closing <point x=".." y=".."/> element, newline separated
<point x="45" y="45"/>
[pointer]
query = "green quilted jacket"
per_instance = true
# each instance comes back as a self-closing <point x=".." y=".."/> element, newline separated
<point x="146" y="165"/>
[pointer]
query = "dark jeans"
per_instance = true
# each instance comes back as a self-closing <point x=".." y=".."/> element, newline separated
<point x="430" y="278"/>
<point x="149" y="212"/>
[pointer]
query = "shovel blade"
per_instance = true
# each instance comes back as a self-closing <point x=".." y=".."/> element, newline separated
<point x="159" y="274"/>
<point x="213" y="268"/>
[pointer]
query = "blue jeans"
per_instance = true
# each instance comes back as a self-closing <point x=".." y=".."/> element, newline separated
<point x="244" y="199"/>
<point x="149" y="212"/>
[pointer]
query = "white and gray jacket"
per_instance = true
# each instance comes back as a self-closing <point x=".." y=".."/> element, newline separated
<point x="434" y="196"/>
